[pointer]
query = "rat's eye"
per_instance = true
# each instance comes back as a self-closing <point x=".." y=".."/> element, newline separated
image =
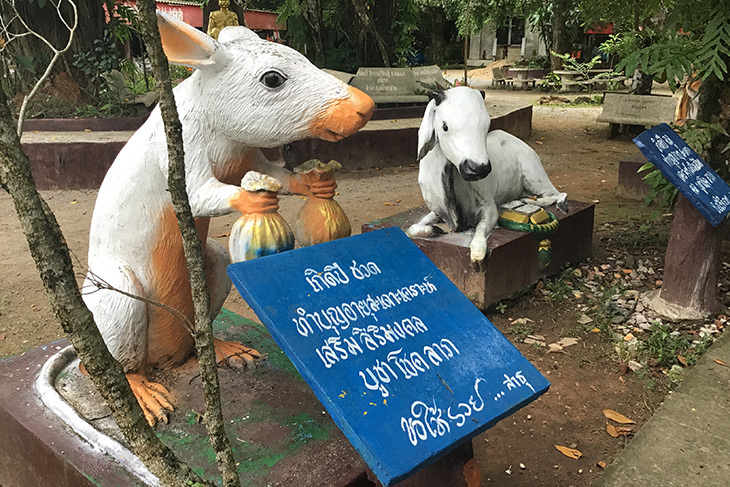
<point x="445" y="127"/>
<point x="272" y="79"/>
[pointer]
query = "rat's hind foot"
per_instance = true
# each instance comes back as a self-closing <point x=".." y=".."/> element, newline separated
<point x="154" y="399"/>
<point x="235" y="354"/>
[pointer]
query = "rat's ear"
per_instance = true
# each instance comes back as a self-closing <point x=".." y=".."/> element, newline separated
<point x="184" y="44"/>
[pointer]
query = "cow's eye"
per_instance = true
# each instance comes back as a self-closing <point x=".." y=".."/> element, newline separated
<point x="445" y="127"/>
<point x="272" y="79"/>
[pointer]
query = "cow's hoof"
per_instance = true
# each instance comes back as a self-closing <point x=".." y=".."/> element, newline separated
<point x="422" y="231"/>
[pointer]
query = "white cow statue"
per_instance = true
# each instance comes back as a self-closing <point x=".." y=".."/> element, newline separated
<point x="466" y="173"/>
<point x="246" y="93"/>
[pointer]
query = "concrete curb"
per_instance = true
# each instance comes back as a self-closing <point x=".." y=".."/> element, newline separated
<point x="687" y="440"/>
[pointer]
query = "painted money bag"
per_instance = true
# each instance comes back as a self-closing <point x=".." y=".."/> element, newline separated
<point x="320" y="219"/>
<point x="262" y="230"/>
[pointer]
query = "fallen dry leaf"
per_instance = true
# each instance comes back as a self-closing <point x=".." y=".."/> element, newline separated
<point x="682" y="360"/>
<point x="596" y="330"/>
<point x="621" y="379"/>
<point x="618" y="417"/>
<point x="388" y="203"/>
<point x="569" y="452"/>
<point x="617" y="431"/>
<point x="227" y="234"/>
<point x="601" y="464"/>
<point x="720" y="362"/>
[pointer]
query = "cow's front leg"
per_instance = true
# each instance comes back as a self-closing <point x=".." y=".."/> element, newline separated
<point x="426" y="227"/>
<point x="479" y="249"/>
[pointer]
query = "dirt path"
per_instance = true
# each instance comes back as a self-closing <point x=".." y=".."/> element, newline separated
<point x="580" y="162"/>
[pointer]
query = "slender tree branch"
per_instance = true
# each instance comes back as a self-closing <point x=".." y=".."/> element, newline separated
<point x="50" y="253"/>
<point x="101" y="284"/>
<point x="57" y="53"/>
<point x="192" y="246"/>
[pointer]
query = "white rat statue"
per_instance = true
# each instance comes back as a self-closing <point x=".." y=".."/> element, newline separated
<point x="246" y="93"/>
<point x="466" y="173"/>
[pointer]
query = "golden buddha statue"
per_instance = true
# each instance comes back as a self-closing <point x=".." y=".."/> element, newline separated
<point x="221" y="18"/>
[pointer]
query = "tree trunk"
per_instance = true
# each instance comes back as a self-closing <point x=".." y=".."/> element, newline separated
<point x="692" y="260"/>
<point x="438" y="46"/>
<point x="42" y="18"/>
<point x="366" y="26"/>
<point x="641" y="83"/>
<point x="192" y="246"/>
<point x="560" y="15"/>
<point x="48" y="248"/>
<point x="315" y="24"/>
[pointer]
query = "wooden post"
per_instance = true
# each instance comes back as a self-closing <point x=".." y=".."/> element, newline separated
<point x="691" y="262"/>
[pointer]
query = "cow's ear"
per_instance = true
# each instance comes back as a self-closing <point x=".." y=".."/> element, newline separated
<point x="426" y="133"/>
<point x="184" y="44"/>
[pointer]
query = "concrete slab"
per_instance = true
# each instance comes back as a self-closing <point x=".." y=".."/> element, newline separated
<point x="512" y="264"/>
<point x="281" y="434"/>
<point x="63" y="159"/>
<point x="687" y="441"/>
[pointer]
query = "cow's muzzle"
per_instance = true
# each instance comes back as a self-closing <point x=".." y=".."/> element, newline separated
<point x="474" y="171"/>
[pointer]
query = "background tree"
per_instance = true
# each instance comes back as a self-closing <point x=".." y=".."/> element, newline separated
<point x="50" y="253"/>
<point x="692" y="38"/>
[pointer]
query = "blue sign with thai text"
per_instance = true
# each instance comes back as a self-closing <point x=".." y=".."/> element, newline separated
<point x="687" y="171"/>
<point x="406" y="365"/>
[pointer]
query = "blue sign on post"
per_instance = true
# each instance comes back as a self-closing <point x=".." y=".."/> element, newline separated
<point x="406" y="365"/>
<point x="687" y="171"/>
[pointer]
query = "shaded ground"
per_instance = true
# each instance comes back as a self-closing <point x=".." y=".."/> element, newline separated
<point x="586" y="377"/>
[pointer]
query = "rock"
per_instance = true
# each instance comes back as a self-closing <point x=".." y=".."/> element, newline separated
<point x="522" y="466"/>
<point x="554" y="347"/>
<point x="630" y="261"/>
<point x="567" y="342"/>
<point x="639" y="307"/>
<point x="634" y="365"/>
<point x="584" y="319"/>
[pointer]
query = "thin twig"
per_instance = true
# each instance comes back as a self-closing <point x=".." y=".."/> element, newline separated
<point x="57" y="53"/>
<point x="102" y="284"/>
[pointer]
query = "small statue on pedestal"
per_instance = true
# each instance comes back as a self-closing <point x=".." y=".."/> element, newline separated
<point x="466" y="172"/>
<point x="221" y="18"/>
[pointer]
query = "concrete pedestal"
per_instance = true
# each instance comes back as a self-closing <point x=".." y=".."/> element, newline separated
<point x="512" y="264"/>
<point x="280" y="432"/>
<point x="630" y="182"/>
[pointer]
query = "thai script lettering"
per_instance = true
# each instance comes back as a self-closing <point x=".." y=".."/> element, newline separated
<point x="371" y="338"/>
<point x="431" y="421"/>
<point x="518" y="380"/>
<point x="408" y="364"/>
<point x="331" y="276"/>
<point x="363" y="271"/>
<point x="340" y="317"/>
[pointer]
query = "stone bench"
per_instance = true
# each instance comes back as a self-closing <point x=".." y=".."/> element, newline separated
<point x="621" y="109"/>
<point x="398" y="85"/>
